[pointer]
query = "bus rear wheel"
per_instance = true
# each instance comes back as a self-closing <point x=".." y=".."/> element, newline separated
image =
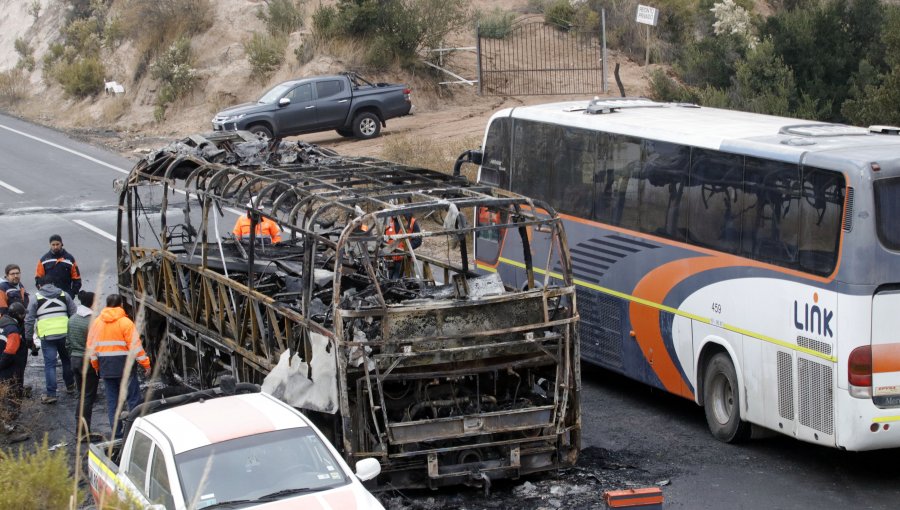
<point x="721" y="401"/>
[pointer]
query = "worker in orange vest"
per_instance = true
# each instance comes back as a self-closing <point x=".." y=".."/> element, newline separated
<point x="267" y="231"/>
<point x="393" y="227"/>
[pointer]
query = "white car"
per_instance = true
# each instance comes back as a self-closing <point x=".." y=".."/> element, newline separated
<point x="240" y="451"/>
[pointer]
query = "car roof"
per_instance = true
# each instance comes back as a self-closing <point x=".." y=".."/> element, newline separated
<point x="296" y="81"/>
<point x="221" y="419"/>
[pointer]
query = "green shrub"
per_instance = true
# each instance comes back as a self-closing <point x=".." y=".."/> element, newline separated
<point x="281" y="16"/>
<point x="265" y="53"/>
<point x="664" y="88"/>
<point x="34" y="9"/>
<point x="496" y="24"/>
<point x="26" y="54"/>
<point x="81" y="77"/>
<point x="36" y="481"/>
<point x="379" y="54"/>
<point x="155" y="25"/>
<point x="400" y="28"/>
<point x="324" y="22"/>
<point x="305" y="52"/>
<point x="174" y="70"/>
<point x="84" y="35"/>
<point x="560" y="13"/>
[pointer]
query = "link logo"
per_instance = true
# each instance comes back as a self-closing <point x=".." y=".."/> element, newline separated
<point x="813" y="318"/>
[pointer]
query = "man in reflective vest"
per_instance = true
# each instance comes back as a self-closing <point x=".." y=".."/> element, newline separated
<point x="59" y="267"/>
<point x="13" y="358"/>
<point x="114" y="346"/>
<point x="393" y="227"/>
<point x="267" y="231"/>
<point x="48" y="316"/>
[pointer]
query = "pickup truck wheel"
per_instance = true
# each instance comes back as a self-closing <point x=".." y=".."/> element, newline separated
<point x="366" y="125"/>
<point x="261" y="130"/>
<point x="345" y="132"/>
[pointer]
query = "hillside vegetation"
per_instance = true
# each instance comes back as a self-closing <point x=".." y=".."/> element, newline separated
<point x="182" y="60"/>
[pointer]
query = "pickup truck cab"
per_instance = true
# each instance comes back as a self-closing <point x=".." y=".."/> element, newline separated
<point x="346" y="103"/>
<point x="237" y="451"/>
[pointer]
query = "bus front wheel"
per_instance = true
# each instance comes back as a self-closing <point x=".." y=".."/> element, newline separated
<point x="721" y="401"/>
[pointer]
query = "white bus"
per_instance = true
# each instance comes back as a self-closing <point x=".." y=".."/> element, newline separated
<point x="747" y="262"/>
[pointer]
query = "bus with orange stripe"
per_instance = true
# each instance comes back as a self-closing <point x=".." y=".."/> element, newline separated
<point x="750" y="263"/>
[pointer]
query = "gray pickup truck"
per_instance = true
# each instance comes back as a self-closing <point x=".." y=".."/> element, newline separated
<point x="346" y="103"/>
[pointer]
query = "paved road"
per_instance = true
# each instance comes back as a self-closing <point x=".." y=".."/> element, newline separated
<point x="52" y="184"/>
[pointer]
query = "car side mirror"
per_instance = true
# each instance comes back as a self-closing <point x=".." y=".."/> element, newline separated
<point x="367" y="469"/>
<point x="284" y="101"/>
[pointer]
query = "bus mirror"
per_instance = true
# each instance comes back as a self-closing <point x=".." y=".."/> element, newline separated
<point x="477" y="157"/>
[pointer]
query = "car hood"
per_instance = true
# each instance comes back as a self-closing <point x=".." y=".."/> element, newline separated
<point x="349" y="497"/>
<point x="246" y="108"/>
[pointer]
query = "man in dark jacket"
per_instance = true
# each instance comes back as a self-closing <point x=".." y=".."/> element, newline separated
<point x="13" y="357"/>
<point x="59" y="267"/>
<point x="11" y="288"/>
<point x="48" y="315"/>
<point x="86" y="378"/>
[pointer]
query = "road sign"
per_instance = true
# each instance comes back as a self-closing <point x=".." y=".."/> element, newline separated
<point x="647" y="15"/>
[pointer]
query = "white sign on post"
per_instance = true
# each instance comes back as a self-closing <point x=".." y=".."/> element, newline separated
<point x="647" y="15"/>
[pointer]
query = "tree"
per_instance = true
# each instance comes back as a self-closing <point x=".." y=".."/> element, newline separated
<point x="763" y="83"/>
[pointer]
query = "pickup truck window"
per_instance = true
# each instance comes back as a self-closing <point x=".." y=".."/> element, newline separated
<point x="138" y="459"/>
<point x="328" y="88"/>
<point x="274" y="93"/>
<point x="300" y="94"/>
<point x="255" y="466"/>
<point x="159" y="491"/>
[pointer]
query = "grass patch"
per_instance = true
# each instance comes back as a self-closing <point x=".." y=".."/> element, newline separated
<point x="265" y="53"/>
<point x="37" y="480"/>
<point x="426" y="153"/>
<point x="13" y="87"/>
<point x="496" y="24"/>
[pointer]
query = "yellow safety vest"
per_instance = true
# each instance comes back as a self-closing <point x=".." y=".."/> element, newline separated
<point x="52" y="315"/>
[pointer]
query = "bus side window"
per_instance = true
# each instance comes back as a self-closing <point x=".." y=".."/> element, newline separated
<point x="771" y="229"/>
<point x="716" y="200"/>
<point x="496" y="160"/>
<point x="822" y="208"/>
<point x="663" y="180"/>
<point x="532" y="171"/>
<point x="616" y="182"/>
<point x="573" y="172"/>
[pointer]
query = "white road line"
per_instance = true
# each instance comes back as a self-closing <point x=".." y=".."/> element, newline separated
<point x="71" y="151"/>
<point x="12" y="188"/>
<point x="95" y="230"/>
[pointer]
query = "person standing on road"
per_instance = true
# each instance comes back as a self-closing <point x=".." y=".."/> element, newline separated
<point x="59" y="266"/>
<point x="86" y="379"/>
<point x="48" y="315"/>
<point x="13" y="357"/>
<point x="11" y="288"/>
<point x="114" y="346"/>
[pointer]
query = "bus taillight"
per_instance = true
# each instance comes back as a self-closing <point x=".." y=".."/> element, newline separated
<point x="859" y="372"/>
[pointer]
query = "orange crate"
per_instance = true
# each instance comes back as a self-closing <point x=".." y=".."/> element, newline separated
<point x="647" y="499"/>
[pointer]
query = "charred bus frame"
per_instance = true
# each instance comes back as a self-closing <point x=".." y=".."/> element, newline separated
<point x="445" y="376"/>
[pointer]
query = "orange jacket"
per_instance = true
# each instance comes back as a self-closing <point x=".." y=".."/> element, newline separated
<point x="110" y="340"/>
<point x="266" y="229"/>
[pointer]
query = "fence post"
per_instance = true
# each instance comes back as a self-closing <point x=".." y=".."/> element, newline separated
<point x="478" y="56"/>
<point x="604" y="84"/>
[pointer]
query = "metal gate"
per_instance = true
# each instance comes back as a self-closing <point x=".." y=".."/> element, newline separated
<point x="537" y="58"/>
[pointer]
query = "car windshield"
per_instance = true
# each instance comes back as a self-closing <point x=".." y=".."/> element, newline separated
<point x="256" y="466"/>
<point x="274" y="93"/>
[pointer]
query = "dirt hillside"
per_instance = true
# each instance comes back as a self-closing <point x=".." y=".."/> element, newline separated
<point x="444" y="114"/>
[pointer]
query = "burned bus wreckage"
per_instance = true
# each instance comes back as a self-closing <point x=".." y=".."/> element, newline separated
<point x="444" y="373"/>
